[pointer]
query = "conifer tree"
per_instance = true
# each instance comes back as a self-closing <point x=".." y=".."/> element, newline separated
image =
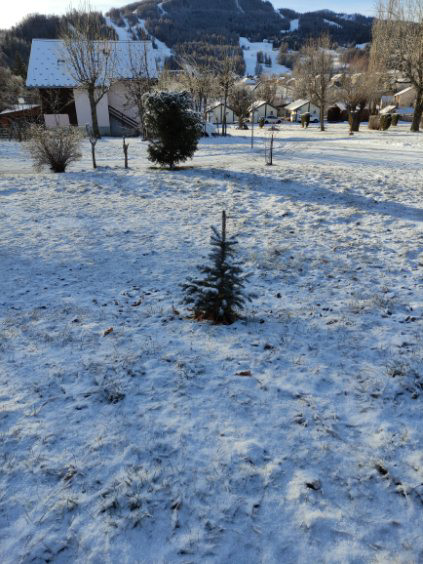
<point x="218" y="295"/>
<point x="173" y="128"/>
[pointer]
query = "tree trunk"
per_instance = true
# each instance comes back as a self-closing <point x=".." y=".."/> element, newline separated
<point x="225" y="105"/>
<point x="93" y="108"/>
<point x="93" y="153"/>
<point x="354" y="120"/>
<point x="322" y="116"/>
<point x="125" y="152"/>
<point x="418" y="111"/>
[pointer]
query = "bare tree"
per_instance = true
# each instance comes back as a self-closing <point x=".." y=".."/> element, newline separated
<point x="11" y="88"/>
<point x="313" y="73"/>
<point x="398" y="45"/>
<point x="93" y="142"/>
<point x="197" y="79"/>
<point x="142" y="80"/>
<point x="90" y="55"/>
<point x="352" y="89"/>
<point x="267" y="89"/>
<point x="226" y="79"/>
<point x="241" y="99"/>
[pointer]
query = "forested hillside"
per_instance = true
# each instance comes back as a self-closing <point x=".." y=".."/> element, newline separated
<point x="198" y="26"/>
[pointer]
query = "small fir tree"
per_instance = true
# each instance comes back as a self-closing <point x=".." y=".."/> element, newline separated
<point x="218" y="295"/>
<point x="173" y="127"/>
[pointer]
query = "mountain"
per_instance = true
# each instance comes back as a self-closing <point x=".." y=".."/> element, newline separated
<point x="201" y="27"/>
<point x="204" y="26"/>
<point x="180" y="21"/>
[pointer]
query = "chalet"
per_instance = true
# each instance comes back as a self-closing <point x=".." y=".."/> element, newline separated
<point x="215" y="114"/>
<point x="261" y="109"/>
<point x="405" y="97"/>
<point x="299" y="107"/>
<point x="64" y="101"/>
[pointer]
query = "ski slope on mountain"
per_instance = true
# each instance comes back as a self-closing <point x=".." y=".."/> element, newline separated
<point x="250" y="51"/>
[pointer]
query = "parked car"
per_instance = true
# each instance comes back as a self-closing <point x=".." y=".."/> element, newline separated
<point x="313" y="119"/>
<point x="272" y="120"/>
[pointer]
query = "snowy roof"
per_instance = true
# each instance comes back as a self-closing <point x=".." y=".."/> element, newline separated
<point x="404" y="91"/>
<point x="19" y="108"/>
<point x="296" y="105"/>
<point x="259" y="103"/>
<point x="388" y="109"/>
<point x="49" y="67"/>
<point x="248" y="80"/>
<point x="216" y="105"/>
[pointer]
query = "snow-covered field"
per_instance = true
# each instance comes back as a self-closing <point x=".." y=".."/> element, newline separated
<point x="145" y="444"/>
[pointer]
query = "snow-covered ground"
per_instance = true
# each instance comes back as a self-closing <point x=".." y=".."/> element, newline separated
<point x="146" y="444"/>
<point x="250" y="50"/>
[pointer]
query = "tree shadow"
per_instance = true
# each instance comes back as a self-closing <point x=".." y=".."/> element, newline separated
<point x="314" y="194"/>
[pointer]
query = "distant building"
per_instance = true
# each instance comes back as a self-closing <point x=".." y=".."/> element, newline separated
<point x="405" y="97"/>
<point x="63" y="101"/>
<point x="261" y="109"/>
<point x="299" y="107"/>
<point x="19" y="113"/>
<point x="216" y="111"/>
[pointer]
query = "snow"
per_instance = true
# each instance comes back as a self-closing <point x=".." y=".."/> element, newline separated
<point x="123" y="33"/>
<point x="239" y="7"/>
<point x="348" y="17"/>
<point x="293" y="26"/>
<point x="333" y="24"/>
<point x="161" y="9"/>
<point x="250" y="50"/>
<point x="293" y="435"/>
<point x="49" y="65"/>
<point x="163" y="51"/>
<point x="19" y="108"/>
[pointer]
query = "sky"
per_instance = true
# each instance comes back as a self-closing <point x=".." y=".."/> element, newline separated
<point x="13" y="12"/>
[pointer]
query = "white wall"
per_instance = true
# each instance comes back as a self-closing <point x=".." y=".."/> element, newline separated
<point x="118" y="98"/>
<point x="83" y="111"/>
<point x="216" y="115"/>
<point x="406" y="99"/>
<point x="264" y="111"/>
<point x="311" y="108"/>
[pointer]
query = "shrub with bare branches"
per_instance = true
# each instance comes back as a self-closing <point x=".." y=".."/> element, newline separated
<point x="55" y="148"/>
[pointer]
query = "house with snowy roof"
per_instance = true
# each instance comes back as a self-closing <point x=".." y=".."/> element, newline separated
<point x="261" y="109"/>
<point x="405" y="97"/>
<point x="302" y="106"/>
<point x="216" y="111"/>
<point x="65" y="102"/>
